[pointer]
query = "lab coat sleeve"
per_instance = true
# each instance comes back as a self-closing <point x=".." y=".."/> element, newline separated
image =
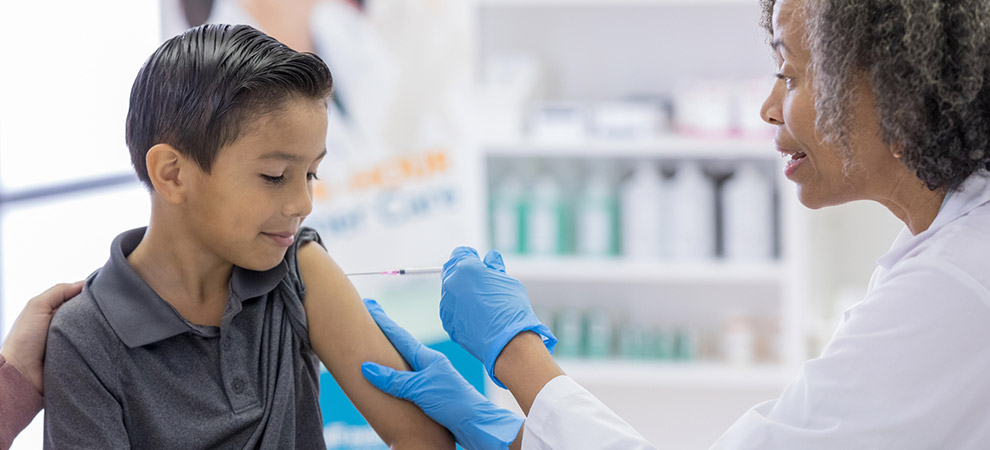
<point x="566" y="416"/>
<point x="906" y="369"/>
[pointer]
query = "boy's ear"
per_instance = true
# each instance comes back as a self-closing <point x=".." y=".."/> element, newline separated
<point x="165" y="169"/>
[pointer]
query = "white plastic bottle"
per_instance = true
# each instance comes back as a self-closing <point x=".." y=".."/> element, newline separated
<point x="545" y="216"/>
<point x="641" y="204"/>
<point x="596" y="212"/>
<point x="738" y="340"/>
<point x="747" y="212"/>
<point x="506" y="211"/>
<point x="692" y="214"/>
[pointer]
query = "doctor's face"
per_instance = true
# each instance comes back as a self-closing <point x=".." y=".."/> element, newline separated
<point x="823" y="174"/>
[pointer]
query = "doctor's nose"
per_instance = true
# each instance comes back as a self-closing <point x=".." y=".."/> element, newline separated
<point x="772" y="112"/>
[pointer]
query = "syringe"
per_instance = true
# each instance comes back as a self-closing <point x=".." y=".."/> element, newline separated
<point x="410" y="271"/>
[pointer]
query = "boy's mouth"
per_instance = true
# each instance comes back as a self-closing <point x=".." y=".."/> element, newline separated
<point x="282" y="239"/>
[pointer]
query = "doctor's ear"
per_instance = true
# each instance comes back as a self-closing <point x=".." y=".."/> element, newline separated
<point x="167" y="169"/>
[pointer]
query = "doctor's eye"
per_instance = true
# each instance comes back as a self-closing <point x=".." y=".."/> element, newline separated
<point x="312" y="176"/>
<point x="788" y="81"/>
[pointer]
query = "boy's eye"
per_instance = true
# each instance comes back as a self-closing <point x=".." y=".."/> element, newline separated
<point x="274" y="181"/>
<point x="312" y="176"/>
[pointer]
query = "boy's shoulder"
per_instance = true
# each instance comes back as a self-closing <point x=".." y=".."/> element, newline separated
<point x="80" y="321"/>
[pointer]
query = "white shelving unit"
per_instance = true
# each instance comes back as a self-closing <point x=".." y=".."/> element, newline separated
<point x="607" y="50"/>
<point x="669" y="146"/>
<point x="609" y="3"/>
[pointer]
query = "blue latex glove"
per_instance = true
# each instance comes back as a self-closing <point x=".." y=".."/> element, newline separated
<point x="482" y="308"/>
<point x="440" y="391"/>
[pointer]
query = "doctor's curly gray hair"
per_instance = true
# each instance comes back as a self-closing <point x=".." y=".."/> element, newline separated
<point x="928" y="62"/>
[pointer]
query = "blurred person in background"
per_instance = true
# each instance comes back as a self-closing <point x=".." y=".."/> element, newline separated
<point x="22" y="361"/>
<point x="884" y="101"/>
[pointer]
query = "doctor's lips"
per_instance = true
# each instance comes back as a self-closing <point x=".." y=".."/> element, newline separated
<point x="795" y="159"/>
<point x="284" y="239"/>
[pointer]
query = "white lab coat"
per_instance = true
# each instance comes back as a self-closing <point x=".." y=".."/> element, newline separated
<point x="908" y="367"/>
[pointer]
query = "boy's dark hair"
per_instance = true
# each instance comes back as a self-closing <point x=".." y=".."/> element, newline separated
<point x="200" y="88"/>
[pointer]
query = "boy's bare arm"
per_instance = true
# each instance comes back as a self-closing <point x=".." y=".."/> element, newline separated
<point x="344" y="335"/>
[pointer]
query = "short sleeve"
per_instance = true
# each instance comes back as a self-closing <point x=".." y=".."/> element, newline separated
<point x="304" y="236"/>
<point x="293" y="278"/>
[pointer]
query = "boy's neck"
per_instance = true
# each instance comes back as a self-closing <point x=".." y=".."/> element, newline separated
<point x="182" y="274"/>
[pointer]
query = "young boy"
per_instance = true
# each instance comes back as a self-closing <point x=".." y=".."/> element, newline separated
<point x="203" y="330"/>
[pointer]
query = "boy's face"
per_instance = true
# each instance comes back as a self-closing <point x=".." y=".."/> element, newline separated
<point x="247" y="210"/>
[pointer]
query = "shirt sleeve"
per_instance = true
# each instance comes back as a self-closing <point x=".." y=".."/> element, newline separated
<point x="295" y="309"/>
<point x="81" y="412"/>
<point x="20" y="401"/>
<point x="906" y="369"/>
<point x="566" y="416"/>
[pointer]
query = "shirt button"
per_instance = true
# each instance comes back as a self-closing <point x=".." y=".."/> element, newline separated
<point x="237" y="385"/>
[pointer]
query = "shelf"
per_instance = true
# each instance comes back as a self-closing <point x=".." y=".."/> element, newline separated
<point x="672" y="146"/>
<point x="611" y="3"/>
<point x="675" y="375"/>
<point x="619" y="270"/>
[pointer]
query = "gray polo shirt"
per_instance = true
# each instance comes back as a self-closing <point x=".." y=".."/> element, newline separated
<point x="124" y="370"/>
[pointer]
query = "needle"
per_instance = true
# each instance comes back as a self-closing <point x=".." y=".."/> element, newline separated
<point x="409" y="271"/>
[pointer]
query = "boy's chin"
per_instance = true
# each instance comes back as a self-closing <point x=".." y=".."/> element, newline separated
<point x="260" y="264"/>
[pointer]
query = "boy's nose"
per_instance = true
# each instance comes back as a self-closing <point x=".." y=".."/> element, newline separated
<point x="301" y="202"/>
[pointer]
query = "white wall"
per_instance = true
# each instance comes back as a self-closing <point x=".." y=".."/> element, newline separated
<point x="67" y="69"/>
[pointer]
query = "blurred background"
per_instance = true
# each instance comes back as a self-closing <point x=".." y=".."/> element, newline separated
<point x="611" y="149"/>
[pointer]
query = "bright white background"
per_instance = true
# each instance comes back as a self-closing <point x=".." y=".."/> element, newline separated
<point x="66" y="68"/>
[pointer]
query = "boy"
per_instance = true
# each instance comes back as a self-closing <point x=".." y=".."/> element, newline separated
<point x="203" y="329"/>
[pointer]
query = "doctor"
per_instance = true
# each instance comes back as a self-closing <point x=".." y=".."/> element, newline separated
<point x="887" y="101"/>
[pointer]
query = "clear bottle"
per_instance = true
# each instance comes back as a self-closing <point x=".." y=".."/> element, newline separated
<point x="597" y="212"/>
<point x="569" y="332"/>
<point x="597" y="333"/>
<point x="641" y="204"/>
<point x="692" y="214"/>
<point x="507" y="213"/>
<point x="747" y="213"/>
<point x="545" y="230"/>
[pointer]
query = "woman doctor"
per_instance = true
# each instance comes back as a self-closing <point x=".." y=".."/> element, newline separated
<point x="881" y="100"/>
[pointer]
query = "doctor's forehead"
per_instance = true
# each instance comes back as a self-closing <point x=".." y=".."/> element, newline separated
<point x="788" y="23"/>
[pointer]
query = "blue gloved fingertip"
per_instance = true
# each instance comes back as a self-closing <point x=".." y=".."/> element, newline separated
<point x="371" y="370"/>
<point x="463" y="251"/>
<point x="493" y="259"/>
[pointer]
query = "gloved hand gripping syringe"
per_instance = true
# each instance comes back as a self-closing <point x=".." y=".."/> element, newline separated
<point x="409" y="271"/>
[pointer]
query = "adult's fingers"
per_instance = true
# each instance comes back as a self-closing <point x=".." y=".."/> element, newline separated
<point x="493" y="259"/>
<point x="386" y="379"/>
<point x="56" y="295"/>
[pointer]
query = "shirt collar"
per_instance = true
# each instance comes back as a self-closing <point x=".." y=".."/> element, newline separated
<point x="135" y="311"/>
<point x="975" y="191"/>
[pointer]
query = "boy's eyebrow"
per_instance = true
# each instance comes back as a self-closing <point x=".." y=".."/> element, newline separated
<point x="283" y="156"/>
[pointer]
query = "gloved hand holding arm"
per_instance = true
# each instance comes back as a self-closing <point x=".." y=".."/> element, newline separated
<point x="440" y="391"/>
